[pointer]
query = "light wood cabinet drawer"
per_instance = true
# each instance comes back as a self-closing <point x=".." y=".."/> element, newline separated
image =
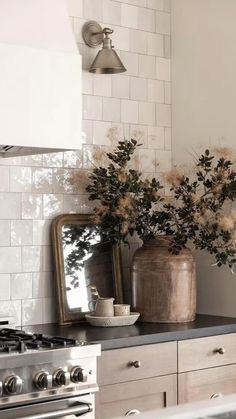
<point x="136" y="396"/>
<point x="118" y="365"/>
<point x="206" y="384"/>
<point x="213" y="351"/>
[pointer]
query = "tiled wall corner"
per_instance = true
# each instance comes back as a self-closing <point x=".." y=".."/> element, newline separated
<point x="34" y="189"/>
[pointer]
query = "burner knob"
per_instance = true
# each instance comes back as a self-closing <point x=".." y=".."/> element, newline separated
<point x="13" y="384"/>
<point x="61" y="378"/>
<point x="43" y="380"/>
<point x="77" y="375"/>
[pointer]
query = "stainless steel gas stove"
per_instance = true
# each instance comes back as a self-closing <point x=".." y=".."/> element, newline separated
<point x="45" y="377"/>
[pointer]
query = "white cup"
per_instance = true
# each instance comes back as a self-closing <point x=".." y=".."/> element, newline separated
<point x="121" y="309"/>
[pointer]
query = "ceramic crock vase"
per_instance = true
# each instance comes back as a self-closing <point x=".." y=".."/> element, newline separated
<point x="163" y="284"/>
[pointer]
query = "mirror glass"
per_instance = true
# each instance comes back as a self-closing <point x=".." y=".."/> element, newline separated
<point x="83" y="260"/>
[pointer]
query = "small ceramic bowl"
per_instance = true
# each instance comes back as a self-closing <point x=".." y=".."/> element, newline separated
<point x="121" y="309"/>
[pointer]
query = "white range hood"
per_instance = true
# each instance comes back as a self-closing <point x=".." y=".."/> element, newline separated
<point x="40" y="78"/>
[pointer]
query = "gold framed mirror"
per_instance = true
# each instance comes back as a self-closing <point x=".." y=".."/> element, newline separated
<point x="82" y="259"/>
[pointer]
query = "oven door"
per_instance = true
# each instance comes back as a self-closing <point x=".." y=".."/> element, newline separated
<point x="69" y="408"/>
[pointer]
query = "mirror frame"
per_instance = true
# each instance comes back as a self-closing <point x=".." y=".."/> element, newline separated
<point x="65" y="315"/>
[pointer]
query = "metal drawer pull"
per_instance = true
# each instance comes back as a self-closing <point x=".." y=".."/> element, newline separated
<point x="216" y="395"/>
<point x="78" y="410"/>
<point x="220" y="351"/>
<point x="133" y="412"/>
<point x="135" y="364"/>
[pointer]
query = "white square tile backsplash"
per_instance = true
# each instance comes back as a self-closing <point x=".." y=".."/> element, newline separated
<point x="34" y="189"/>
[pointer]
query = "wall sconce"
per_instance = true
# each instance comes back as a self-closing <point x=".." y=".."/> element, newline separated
<point x="107" y="60"/>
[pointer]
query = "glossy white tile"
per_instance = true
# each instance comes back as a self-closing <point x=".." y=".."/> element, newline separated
<point x="31" y="206"/>
<point x="129" y="16"/>
<point x="147" y="66"/>
<point x="41" y="232"/>
<point x="140" y="3"/>
<point x="5" y="287"/>
<point x="155" y="43"/>
<point x="10" y="205"/>
<point x="42" y="180"/>
<point x="147" y="113"/>
<point x="120" y="86"/>
<point x="20" y="179"/>
<point x="139" y="133"/>
<point x="129" y="111"/>
<point x="111" y="110"/>
<point x="167" y="6"/>
<point x="47" y="259"/>
<point x="10" y="260"/>
<point x="111" y="11"/>
<point x="163" y="69"/>
<point x="130" y="61"/>
<point x="168" y="138"/>
<point x="21" y="232"/>
<point x="32" y="311"/>
<point x="168" y="92"/>
<point x="49" y="310"/>
<point x="87" y="134"/>
<point x="138" y="88"/>
<point x="163" y="115"/>
<point x="87" y="83"/>
<point x="167" y="46"/>
<point x="156" y="4"/>
<point x="102" y="84"/>
<point x="101" y="130"/>
<point x="73" y="159"/>
<point x="92" y="9"/>
<point x="146" y="19"/>
<point x="77" y="204"/>
<point x="92" y="107"/>
<point x="52" y="205"/>
<point x="62" y="181"/>
<point x="138" y="41"/>
<point x="163" y="23"/>
<point x="121" y="39"/>
<point x="31" y="258"/>
<point x="147" y="160"/>
<point x="11" y="308"/>
<point x="34" y="160"/>
<point x="72" y="204"/>
<point x="53" y="159"/>
<point x="43" y="284"/>
<point x="4" y="176"/>
<point x="163" y="159"/>
<point x="156" y="91"/>
<point x="21" y="286"/>
<point x="5" y="233"/>
<point x="156" y="137"/>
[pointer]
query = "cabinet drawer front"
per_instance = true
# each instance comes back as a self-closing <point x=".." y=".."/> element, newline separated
<point x="117" y="366"/>
<point x="143" y="395"/>
<point x="206" y="384"/>
<point x="207" y="352"/>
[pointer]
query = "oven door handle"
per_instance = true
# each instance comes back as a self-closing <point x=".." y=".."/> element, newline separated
<point x="77" y="410"/>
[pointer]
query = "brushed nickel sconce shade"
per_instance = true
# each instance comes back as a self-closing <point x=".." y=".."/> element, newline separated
<point x="107" y="60"/>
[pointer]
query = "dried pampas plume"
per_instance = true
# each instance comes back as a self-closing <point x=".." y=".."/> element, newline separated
<point x="224" y="152"/>
<point x="174" y="177"/>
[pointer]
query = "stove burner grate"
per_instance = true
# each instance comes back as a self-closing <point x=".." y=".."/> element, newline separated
<point x="17" y="340"/>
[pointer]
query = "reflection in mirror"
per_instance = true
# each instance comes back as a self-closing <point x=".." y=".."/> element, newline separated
<point x="82" y="259"/>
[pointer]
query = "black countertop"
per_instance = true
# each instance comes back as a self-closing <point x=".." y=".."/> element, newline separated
<point x="141" y="333"/>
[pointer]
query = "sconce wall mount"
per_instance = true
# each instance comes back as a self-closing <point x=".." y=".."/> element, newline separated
<point x="92" y="34"/>
<point x="107" y="60"/>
